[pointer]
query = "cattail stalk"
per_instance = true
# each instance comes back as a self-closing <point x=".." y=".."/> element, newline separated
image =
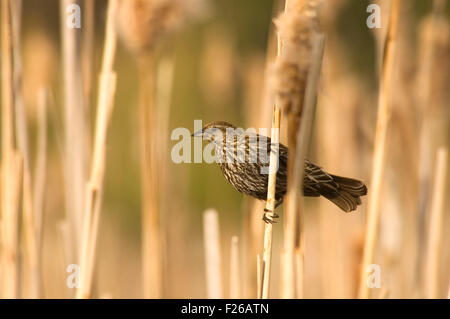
<point x="273" y="168"/>
<point x="88" y="49"/>
<point x="304" y="138"/>
<point x="40" y="175"/>
<point x="436" y="219"/>
<point x="380" y="146"/>
<point x="431" y="76"/>
<point x="429" y="49"/>
<point x="22" y="139"/>
<point x="253" y="232"/>
<point x="258" y="276"/>
<point x="164" y="84"/>
<point x="142" y="24"/>
<point x="75" y="128"/>
<point x="299" y="259"/>
<point x="11" y="169"/>
<point x="297" y="28"/>
<point x="64" y="236"/>
<point x="235" y="276"/>
<point x="287" y="275"/>
<point x="270" y="203"/>
<point x="7" y="81"/>
<point x="87" y="60"/>
<point x="432" y="99"/>
<point x="13" y="179"/>
<point x="94" y="190"/>
<point x="211" y="238"/>
<point x="151" y="232"/>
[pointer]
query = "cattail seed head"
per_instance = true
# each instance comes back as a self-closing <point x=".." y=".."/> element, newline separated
<point x="296" y="28"/>
<point x="142" y="23"/>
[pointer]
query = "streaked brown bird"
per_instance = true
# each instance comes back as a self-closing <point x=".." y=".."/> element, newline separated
<point x="243" y="157"/>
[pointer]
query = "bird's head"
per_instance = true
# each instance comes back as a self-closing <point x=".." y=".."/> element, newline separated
<point x="214" y="130"/>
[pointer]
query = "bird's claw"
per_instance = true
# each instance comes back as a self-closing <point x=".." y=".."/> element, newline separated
<point x="275" y="215"/>
<point x="269" y="216"/>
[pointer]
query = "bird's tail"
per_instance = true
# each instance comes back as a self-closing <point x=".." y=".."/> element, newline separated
<point x="348" y="195"/>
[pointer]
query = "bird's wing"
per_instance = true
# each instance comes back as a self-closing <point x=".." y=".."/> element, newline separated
<point x="317" y="182"/>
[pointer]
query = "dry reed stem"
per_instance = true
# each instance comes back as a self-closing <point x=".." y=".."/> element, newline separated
<point x="21" y="129"/>
<point x="436" y="219"/>
<point x="270" y="203"/>
<point x="30" y="233"/>
<point x="39" y="181"/>
<point x="211" y="238"/>
<point x="252" y="246"/>
<point x="431" y="100"/>
<point x="40" y="170"/>
<point x="287" y="280"/>
<point x="22" y="139"/>
<point x="151" y="231"/>
<point x="429" y="46"/>
<point x="10" y="226"/>
<point x="164" y="84"/>
<point x="142" y="24"/>
<point x="87" y="64"/>
<point x="235" y="276"/>
<point x="430" y="74"/>
<point x="296" y="29"/>
<point x="9" y="204"/>
<point x="94" y="190"/>
<point x="258" y="276"/>
<point x="64" y="236"/>
<point x="299" y="258"/>
<point x="75" y="129"/>
<point x="380" y="146"/>
<point x="154" y="132"/>
<point x="294" y="198"/>
<point x="7" y="85"/>
<point x="88" y="50"/>
<point x="263" y="118"/>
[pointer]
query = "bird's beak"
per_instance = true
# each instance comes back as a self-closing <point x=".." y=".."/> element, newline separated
<point x="199" y="133"/>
